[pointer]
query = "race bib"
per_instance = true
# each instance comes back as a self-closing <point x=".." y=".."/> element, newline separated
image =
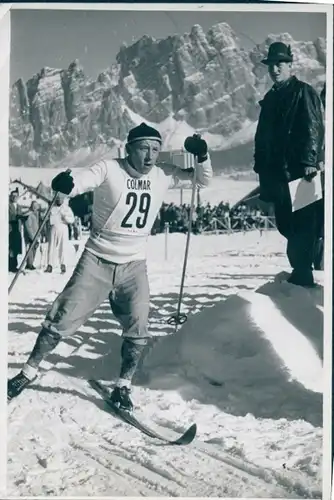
<point x="136" y="209"/>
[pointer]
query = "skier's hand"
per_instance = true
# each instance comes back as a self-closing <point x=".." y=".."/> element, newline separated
<point x="309" y="173"/>
<point x="196" y="146"/>
<point x="63" y="182"/>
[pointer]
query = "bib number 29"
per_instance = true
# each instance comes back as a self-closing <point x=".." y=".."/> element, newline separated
<point x="141" y="204"/>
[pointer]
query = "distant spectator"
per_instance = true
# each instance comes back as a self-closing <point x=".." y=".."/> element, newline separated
<point x="30" y="228"/>
<point x="77" y="229"/>
<point x="15" y="225"/>
<point x="61" y="215"/>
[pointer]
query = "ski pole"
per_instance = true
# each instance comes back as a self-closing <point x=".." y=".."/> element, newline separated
<point x="11" y="286"/>
<point x="178" y="318"/>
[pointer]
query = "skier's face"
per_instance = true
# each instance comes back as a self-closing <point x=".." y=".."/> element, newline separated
<point x="143" y="154"/>
<point x="280" y="71"/>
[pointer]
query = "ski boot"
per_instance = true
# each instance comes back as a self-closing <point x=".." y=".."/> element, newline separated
<point x="120" y="397"/>
<point x="17" y="384"/>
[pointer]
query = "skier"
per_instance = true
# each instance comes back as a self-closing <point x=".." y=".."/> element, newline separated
<point x="128" y="195"/>
<point x="60" y="217"/>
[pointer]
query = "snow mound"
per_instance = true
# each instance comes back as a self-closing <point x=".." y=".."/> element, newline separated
<point x="257" y="352"/>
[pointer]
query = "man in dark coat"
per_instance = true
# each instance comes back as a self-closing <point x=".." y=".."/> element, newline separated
<point x="288" y="146"/>
<point x="14" y="237"/>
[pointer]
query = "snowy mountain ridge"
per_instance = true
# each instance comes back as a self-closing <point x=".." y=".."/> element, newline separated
<point x="204" y="82"/>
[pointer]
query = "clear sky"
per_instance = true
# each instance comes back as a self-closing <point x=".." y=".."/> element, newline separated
<point x="55" y="38"/>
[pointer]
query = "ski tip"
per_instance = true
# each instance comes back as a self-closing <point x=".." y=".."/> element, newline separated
<point x="192" y="431"/>
<point x="187" y="437"/>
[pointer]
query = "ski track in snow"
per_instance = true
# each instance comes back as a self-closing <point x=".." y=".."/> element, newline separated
<point x="61" y="441"/>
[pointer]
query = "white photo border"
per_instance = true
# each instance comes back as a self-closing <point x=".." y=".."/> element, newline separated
<point x="324" y="6"/>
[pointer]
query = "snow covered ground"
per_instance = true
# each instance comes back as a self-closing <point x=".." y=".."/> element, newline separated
<point x="246" y="367"/>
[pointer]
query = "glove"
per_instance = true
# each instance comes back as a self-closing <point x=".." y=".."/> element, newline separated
<point x="63" y="182"/>
<point x="196" y="146"/>
<point x="309" y="173"/>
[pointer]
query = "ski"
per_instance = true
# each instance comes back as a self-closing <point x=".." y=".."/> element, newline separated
<point x="186" y="438"/>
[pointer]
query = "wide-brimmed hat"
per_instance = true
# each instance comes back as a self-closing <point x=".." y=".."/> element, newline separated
<point x="142" y="132"/>
<point x="278" y="52"/>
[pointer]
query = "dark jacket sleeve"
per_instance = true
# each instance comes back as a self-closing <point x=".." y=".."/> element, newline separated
<point x="311" y="127"/>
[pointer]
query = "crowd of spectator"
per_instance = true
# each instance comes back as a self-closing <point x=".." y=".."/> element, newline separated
<point x="208" y="218"/>
<point x="25" y="221"/>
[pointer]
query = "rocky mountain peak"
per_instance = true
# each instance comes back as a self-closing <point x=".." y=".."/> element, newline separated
<point x="195" y="81"/>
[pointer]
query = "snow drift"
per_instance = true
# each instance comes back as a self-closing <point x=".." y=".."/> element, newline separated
<point x="257" y="352"/>
<point x="246" y="368"/>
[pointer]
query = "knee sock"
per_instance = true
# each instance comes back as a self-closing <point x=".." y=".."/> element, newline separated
<point x="46" y="342"/>
<point x="131" y="353"/>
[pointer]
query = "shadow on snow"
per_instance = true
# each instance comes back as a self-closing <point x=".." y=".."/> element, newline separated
<point x="232" y="367"/>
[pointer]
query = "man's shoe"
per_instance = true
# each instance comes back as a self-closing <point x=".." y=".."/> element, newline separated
<point x="304" y="279"/>
<point x="48" y="269"/>
<point x="120" y="397"/>
<point x="17" y="384"/>
<point x="63" y="269"/>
